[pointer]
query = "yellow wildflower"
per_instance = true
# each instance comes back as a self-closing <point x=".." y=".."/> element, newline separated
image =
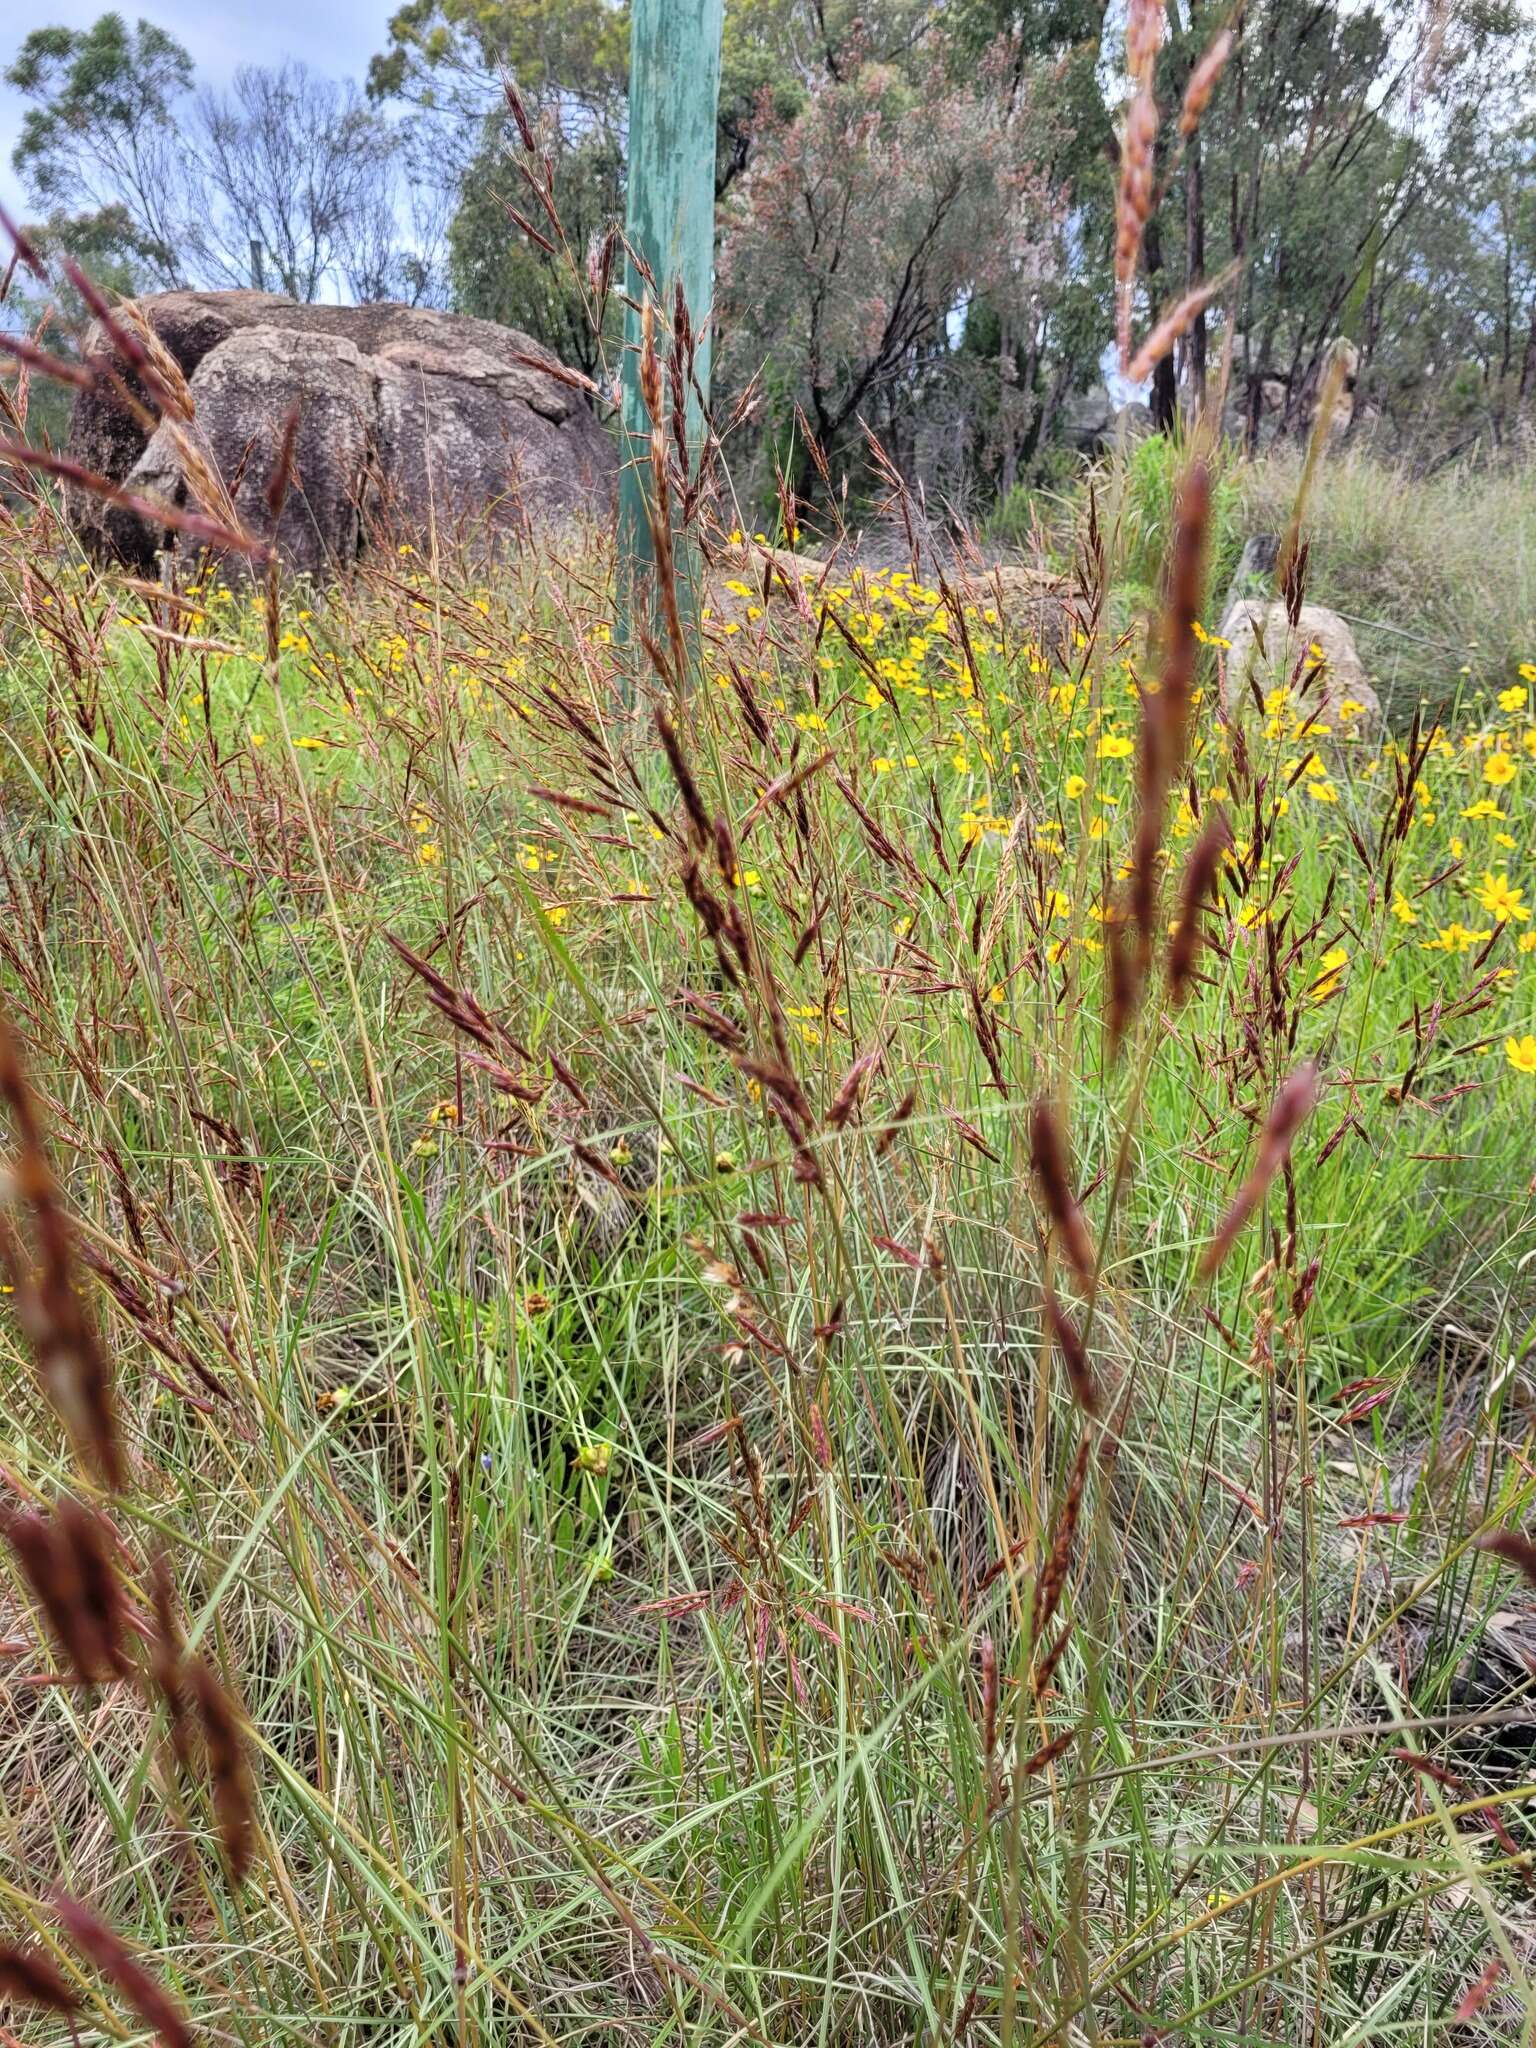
<point x="1455" y="938"/>
<point x="1502" y="901"/>
<point x="1333" y="963"/>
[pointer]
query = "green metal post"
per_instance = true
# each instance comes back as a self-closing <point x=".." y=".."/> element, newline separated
<point x="674" y="97"/>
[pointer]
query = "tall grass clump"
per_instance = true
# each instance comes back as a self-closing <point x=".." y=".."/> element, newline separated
<point x="1153" y="468"/>
<point x="814" y="1335"/>
<point x="1436" y="574"/>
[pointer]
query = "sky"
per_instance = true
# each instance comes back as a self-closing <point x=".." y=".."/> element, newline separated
<point x="334" y="37"/>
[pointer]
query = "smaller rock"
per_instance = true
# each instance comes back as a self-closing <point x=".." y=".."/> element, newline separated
<point x="1091" y="422"/>
<point x="1087" y="419"/>
<point x="1031" y="603"/>
<point x="1332" y="686"/>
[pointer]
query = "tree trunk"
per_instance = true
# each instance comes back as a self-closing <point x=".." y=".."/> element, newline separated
<point x="1007" y="370"/>
<point x="1165" y="385"/>
<point x="1194" y="272"/>
<point x="1055" y="392"/>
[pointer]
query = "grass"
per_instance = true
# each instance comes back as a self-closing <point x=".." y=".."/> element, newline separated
<point x="1437" y="575"/>
<point x="676" y="1588"/>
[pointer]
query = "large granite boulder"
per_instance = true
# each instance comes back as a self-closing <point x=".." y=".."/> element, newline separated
<point x="410" y="420"/>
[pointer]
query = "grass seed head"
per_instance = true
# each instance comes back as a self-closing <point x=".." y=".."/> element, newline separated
<point x="147" y="1998"/>
<point x="229" y="1771"/>
<point x="30" y="1976"/>
<point x="1048" y="1155"/>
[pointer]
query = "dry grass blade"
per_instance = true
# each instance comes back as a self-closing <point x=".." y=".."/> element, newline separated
<point x="563" y="800"/>
<point x="1478" y="1994"/>
<point x="125" y="330"/>
<point x="782" y="787"/>
<point x="26" y="249"/>
<point x="988" y="1696"/>
<point x="1168" y="710"/>
<point x="1133" y="204"/>
<point x="898" y="1117"/>
<point x="521" y="221"/>
<point x="459" y="1006"/>
<point x="519" y="113"/>
<point x="281" y="478"/>
<point x="165" y="1658"/>
<point x="693" y="804"/>
<point x="1164" y="740"/>
<point x="1046" y="1666"/>
<point x="851" y="1087"/>
<point x="169" y="388"/>
<point x="1322" y="426"/>
<point x="560" y="372"/>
